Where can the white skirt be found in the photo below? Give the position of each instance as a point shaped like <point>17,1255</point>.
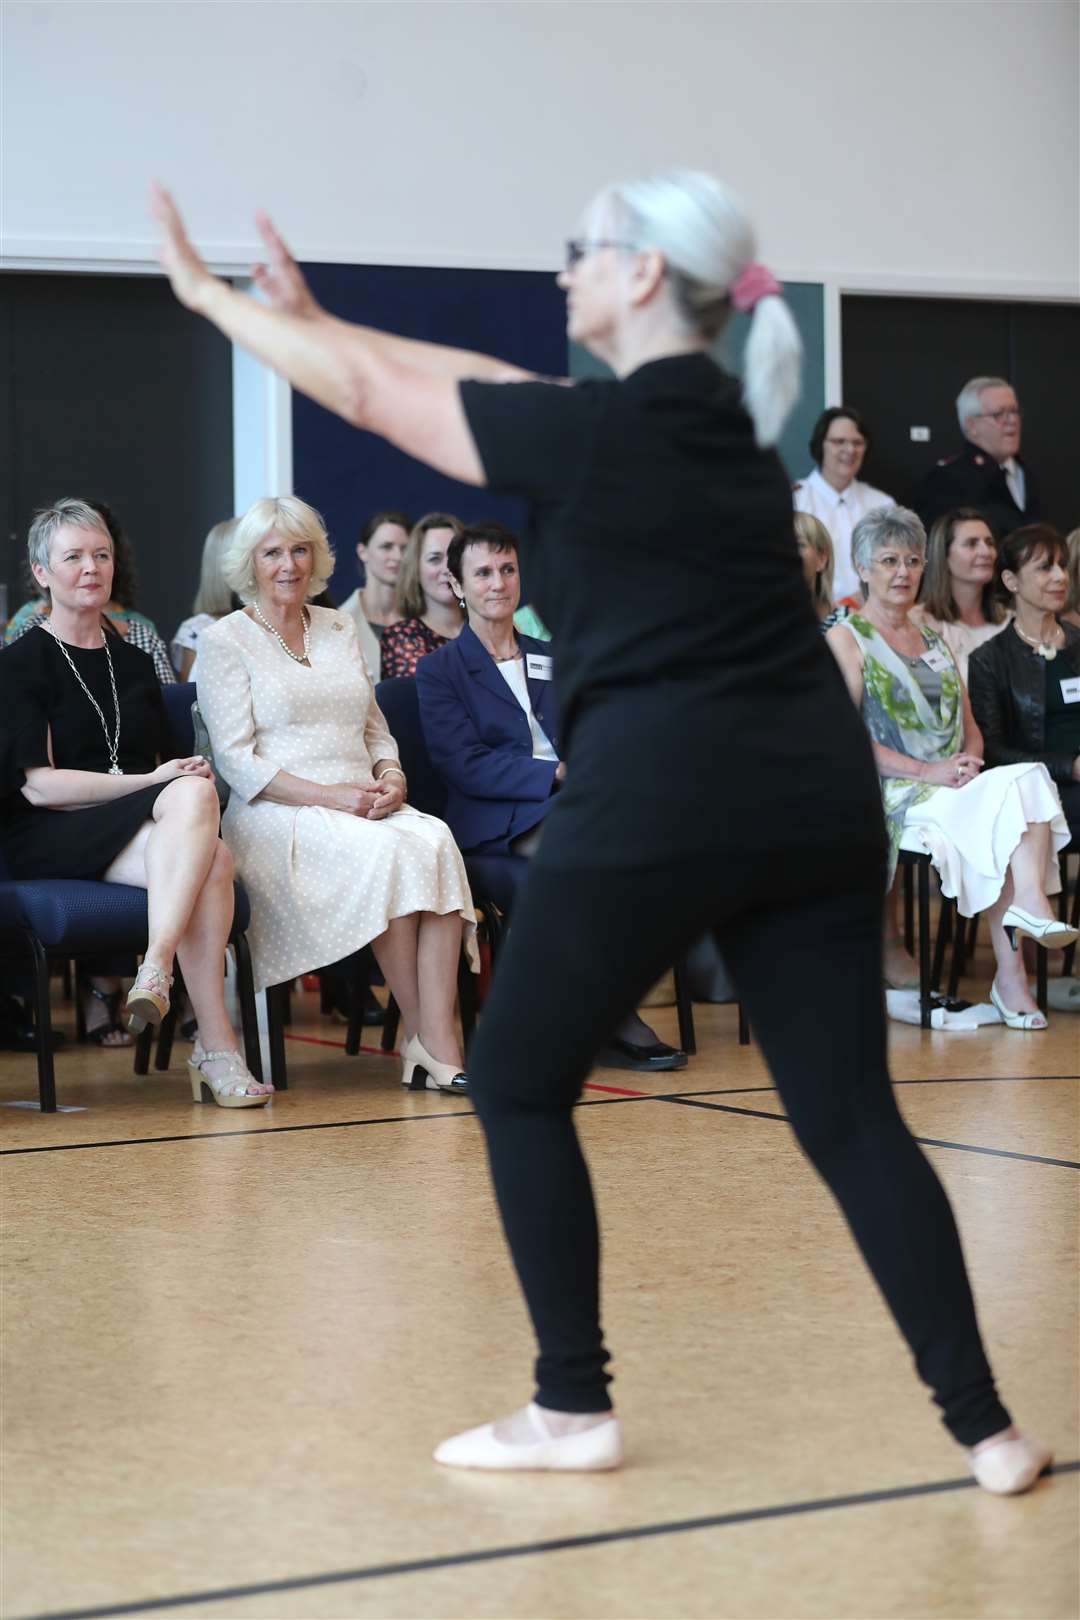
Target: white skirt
<point>970,833</point>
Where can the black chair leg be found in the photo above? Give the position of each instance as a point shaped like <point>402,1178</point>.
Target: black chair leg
<point>43,1019</point>
<point>924,944</point>
<point>144,1043</point>
<point>1068,955</point>
<point>1040,979</point>
<point>391,1025</point>
<point>685,1009</point>
<point>166,1035</point>
<point>744,1026</point>
<point>949,919</point>
<point>909,910</point>
<point>276,1000</point>
<point>245,995</point>
<point>466,979</point>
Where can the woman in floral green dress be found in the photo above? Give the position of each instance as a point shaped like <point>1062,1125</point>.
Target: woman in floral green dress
<point>992,835</point>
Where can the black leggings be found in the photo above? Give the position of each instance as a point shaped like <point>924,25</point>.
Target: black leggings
<point>584,947</point>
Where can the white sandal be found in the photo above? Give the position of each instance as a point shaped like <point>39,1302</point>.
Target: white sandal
<point>1046,931</point>
<point>1016,1020</point>
<point>229,1090</point>
<point>148,999</point>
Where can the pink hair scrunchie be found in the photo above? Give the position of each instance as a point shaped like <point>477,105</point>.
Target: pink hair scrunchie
<point>753,282</point>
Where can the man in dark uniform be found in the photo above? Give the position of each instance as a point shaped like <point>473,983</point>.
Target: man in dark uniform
<point>987,473</point>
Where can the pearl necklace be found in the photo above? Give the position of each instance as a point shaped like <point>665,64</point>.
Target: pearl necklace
<point>1045,649</point>
<point>112,743</point>
<point>305,619</point>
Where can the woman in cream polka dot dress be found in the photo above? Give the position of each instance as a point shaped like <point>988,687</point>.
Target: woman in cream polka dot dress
<point>330,853</point>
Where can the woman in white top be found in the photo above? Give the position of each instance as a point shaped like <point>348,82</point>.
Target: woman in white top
<point>957,598</point>
<point>213,601</point>
<point>372,606</point>
<point>331,855</point>
<point>833,492</point>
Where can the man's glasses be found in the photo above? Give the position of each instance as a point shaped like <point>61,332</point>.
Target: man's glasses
<point>1007,413</point>
<point>581,246</point>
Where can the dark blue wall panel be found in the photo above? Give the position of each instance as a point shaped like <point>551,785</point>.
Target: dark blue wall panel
<point>518,315</point>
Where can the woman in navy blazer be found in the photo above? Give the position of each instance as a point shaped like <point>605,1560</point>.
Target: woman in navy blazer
<point>500,761</point>
<point>487,708</point>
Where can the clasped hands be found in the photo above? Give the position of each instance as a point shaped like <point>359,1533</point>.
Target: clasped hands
<point>372,800</point>
<point>954,772</point>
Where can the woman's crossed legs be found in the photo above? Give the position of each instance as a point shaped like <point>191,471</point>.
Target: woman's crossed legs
<point>187,872</point>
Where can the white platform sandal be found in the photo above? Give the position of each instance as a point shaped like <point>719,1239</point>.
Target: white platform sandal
<point>228,1090</point>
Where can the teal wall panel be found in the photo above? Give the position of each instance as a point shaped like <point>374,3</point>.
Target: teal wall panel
<point>806,300</point>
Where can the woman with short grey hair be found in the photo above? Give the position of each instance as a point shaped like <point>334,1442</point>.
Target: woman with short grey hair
<point>89,790</point>
<point>992,835</point>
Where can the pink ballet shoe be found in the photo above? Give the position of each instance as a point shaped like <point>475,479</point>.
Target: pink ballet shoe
<point>1009,1466</point>
<point>587,1451</point>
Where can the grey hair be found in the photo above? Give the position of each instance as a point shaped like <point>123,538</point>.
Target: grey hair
<point>294,520</point>
<point>68,513</point>
<point>885,524</point>
<point>969,399</point>
<point>707,240</point>
<point>214,595</point>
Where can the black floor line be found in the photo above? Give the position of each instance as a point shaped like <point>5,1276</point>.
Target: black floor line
<point>524,1549</point>
<point>926,1141</point>
<point>284,1130</point>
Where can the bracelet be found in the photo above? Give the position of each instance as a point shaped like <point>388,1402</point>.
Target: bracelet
<point>391,770</point>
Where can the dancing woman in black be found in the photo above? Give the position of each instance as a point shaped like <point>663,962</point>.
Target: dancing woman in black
<point>718,775</point>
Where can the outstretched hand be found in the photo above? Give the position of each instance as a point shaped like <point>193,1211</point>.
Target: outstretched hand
<point>191,280</point>
<point>279,279</point>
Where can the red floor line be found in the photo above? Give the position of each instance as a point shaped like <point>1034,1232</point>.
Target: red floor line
<point>320,1040</point>
<point>620,1091</point>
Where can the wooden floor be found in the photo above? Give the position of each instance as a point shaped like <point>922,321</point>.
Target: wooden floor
<point>233,1338</point>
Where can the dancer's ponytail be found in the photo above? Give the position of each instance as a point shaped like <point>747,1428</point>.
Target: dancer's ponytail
<point>707,241</point>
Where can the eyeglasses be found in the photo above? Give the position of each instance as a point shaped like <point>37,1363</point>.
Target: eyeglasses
<point>577,249</point>
<point>847,444</point>
<point>1008,413</point>
<point>889,562</point>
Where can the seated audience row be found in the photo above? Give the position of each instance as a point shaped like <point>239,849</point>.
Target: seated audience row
<point>993,835</point>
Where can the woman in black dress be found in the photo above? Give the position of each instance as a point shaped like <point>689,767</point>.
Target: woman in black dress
<point>762,819</point>
<point>82,728</point>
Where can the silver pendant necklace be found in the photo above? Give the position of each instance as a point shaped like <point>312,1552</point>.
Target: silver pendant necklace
<point>305,619</point>
<point>113,742</point>
<point>1045,649</point>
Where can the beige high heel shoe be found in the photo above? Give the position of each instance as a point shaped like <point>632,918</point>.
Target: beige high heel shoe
<point>420,1071</point>
<point>148,999</point>
<point>229,1090</point>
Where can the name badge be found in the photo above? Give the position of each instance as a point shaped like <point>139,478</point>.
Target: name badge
<point>537,667</point>
<point>936,660</point>
<point>1070,690</point>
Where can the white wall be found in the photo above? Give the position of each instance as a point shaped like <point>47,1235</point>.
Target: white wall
<point>893,143</point>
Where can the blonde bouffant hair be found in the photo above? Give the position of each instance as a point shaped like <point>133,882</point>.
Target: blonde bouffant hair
<point>292,519</point>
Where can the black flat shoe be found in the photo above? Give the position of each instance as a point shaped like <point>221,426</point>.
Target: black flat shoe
<point>650,1059</point>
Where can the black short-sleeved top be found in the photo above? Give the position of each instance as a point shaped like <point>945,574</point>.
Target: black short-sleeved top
<point>702,710</point>
<point>40,696</point>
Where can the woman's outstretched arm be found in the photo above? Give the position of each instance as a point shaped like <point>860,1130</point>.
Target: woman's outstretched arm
<point>403,390</point>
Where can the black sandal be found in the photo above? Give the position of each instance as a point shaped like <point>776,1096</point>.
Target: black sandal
<point>110,1000</point>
